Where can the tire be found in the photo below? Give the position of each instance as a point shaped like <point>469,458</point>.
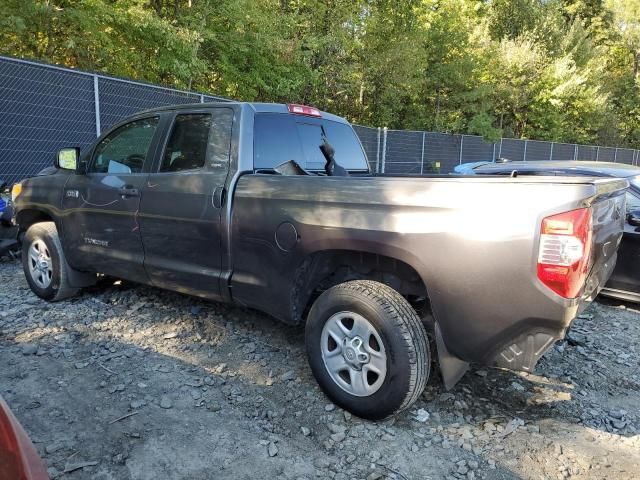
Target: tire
<point>373,386</point>
<point>42,244</point>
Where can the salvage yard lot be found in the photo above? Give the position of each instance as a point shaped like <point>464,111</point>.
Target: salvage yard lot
<point>131,382</point>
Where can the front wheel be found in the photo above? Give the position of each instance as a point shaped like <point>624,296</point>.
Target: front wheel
<point>367,348</point>
<point>44,263</point>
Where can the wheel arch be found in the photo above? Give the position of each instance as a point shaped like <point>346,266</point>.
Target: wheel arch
<point>326,267</point>
<point>409,276</point>
<point>27,217</point>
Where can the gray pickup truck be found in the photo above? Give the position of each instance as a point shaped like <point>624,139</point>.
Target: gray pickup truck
<point>274,207</point>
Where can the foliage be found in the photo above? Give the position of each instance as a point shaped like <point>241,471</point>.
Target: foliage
<point>565,70</point>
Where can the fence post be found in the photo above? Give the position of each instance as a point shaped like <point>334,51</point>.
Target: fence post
<point>424,134</point>
<point>524,156</point>
<point>494,152</point>
<point>615,155</point>
<point>551,152</point>
<point>598,153</point>
<point>384,147</point>
<point>96,103</point>
<point>575,151</point>
<point>500,151</point>
<point>378,153</point>
<point>461,145</point>
<point>201,98</point>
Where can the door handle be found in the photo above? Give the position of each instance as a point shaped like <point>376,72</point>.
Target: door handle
<point>218,197</point>
<point>129,192</point>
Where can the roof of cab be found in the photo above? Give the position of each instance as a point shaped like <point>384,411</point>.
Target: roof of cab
<point>255,106</point>
<point>600,169</point>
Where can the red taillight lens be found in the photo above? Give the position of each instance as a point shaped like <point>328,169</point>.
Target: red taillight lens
<point>18,457</point>
<point>565,252</point>
<point>303,110</point>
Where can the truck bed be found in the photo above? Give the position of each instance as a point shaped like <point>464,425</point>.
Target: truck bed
<point>472,240</point>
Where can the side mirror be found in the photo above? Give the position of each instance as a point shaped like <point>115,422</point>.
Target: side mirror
<point>633,218</point>
<point>67,158</point>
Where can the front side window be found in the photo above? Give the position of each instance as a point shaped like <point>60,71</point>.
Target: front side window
<point>125,149</point>
<point>197,139</point>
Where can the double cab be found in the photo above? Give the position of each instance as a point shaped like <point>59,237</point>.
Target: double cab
<point>274,207</point>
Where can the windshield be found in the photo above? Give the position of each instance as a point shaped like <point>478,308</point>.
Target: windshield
<point>283,137</point>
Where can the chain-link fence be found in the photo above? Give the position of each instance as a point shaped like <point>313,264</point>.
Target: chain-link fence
<point>416,153</point>
<point>45,107</point>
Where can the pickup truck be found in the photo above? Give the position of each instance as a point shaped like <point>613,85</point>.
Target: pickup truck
<point>274,207</point>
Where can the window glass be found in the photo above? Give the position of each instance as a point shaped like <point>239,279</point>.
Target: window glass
<point>275,141</point>
<point>125,149</point>
<point>187,146</point>
<point>633,202</point>
<point>311,139</point>
<point>282,137</point>
<point>193,141</point>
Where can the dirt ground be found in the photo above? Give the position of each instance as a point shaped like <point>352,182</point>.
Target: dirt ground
<point>131,382</point>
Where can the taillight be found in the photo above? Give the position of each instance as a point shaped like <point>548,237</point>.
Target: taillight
<point>565,252</point>
<point>303,110</point>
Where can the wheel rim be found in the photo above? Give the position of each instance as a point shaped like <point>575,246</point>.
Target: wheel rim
<point>40,264</point>
<point>353,354</point>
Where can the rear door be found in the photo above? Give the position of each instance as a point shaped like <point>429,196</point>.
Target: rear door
<point>100,219</point>
<point>180,211</point>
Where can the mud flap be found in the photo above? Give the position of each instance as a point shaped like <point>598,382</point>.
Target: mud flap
<point>80,279</point>
<point>451,367</point>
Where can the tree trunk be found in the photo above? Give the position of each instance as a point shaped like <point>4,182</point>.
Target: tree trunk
<point>157,6</point>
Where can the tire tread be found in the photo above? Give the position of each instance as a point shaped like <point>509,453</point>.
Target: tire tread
<point>405,318</point>
<point>64,289</point>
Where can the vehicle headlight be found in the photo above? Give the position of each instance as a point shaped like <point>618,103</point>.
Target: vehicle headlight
<point>15,191</point>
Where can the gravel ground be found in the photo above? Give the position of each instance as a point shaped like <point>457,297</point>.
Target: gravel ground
<point>131,382</point>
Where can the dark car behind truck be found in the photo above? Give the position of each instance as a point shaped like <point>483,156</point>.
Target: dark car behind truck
<point>273,207</point>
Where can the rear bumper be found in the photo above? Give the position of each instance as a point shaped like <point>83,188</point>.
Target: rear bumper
<point>523,351</point>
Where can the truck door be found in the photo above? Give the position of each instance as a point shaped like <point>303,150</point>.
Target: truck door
<point>180,211</point>
<point>100,223</point>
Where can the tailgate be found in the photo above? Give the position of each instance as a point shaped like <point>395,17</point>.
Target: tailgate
<point>608,211</point>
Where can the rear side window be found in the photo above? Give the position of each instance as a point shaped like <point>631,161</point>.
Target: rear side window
<point>282,137</point>
<point>125,149</point>
<point>187,146</point>
<point>197,139</point>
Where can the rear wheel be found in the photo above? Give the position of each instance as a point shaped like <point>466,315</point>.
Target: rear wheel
<point>44,263</point>
<point>367,348</point>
